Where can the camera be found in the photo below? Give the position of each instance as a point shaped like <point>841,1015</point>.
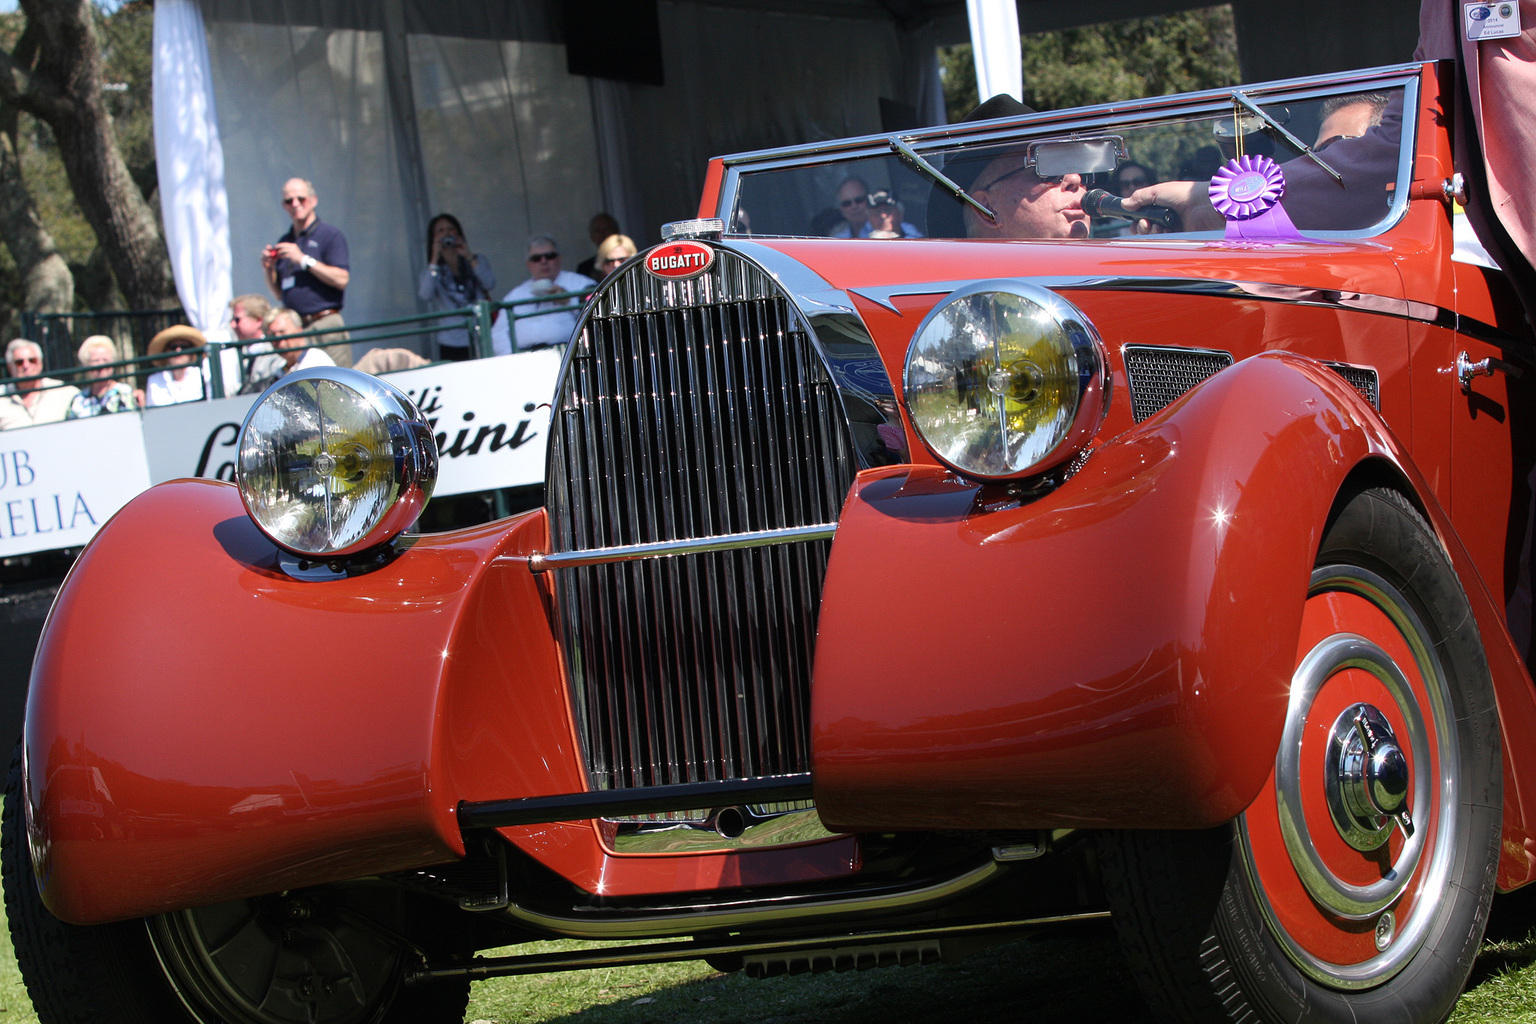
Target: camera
<point>449,241</point>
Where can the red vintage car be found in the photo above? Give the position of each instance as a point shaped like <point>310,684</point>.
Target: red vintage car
<point>893,595</point>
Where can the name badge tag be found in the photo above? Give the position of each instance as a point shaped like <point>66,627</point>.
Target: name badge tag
<point>285,284</point>
<point>1491,21</point>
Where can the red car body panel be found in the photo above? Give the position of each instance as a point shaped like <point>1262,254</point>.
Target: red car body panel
<point>1022,665</point>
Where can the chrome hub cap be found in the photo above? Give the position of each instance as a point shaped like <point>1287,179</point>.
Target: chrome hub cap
<point>1367,777</point>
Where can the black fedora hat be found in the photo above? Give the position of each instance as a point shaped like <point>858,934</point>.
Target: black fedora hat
<point>944,212</point>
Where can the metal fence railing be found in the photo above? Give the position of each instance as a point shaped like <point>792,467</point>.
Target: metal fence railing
<point>227,366</point>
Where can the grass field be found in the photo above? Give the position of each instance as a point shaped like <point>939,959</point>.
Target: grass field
<point>1074,976</point>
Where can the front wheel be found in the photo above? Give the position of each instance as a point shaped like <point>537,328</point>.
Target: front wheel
<point>1357,885</point>
<point>295,958</point>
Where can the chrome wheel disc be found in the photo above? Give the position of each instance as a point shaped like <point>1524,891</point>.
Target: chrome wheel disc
<point>276,960</point>
<point>1349,849</point>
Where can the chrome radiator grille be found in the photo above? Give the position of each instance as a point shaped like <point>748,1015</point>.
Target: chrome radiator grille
<point>693,409</point>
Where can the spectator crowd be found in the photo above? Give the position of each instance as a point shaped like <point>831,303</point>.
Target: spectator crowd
<point>307,270</point>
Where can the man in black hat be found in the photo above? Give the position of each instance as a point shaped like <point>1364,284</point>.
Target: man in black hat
<point>1025,204</point>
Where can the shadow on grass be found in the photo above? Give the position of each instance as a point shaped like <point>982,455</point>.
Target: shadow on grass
<point>1074,976</point>
<point>1509,944</point>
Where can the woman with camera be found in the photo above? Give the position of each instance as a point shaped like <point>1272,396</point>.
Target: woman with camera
<point>453,278</point>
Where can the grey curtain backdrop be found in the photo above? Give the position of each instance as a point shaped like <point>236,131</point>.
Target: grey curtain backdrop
<point>399,109</point>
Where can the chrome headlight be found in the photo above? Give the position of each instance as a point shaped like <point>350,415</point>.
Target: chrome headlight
<point>1005,379</point>
<point>333,462</point>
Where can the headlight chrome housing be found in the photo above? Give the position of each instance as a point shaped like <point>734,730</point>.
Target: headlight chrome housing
<point>334,462</point>
<point>1005,380</point>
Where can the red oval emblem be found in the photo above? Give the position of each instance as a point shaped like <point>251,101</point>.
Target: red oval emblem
<point>675,261</point>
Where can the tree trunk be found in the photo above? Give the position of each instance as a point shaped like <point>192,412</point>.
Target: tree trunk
<point>64,90</point>
<point>47,285</point>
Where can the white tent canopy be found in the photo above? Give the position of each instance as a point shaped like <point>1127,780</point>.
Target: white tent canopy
<point>399,109</point>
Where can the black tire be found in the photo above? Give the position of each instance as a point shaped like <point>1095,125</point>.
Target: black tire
<point>157,971</point>
<point>1290,915</point>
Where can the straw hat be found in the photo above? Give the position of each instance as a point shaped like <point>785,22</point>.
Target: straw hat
<point>181,332</point>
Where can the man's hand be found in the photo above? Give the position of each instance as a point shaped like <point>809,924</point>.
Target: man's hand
<point>289,251</point>
<point>1190,199</point>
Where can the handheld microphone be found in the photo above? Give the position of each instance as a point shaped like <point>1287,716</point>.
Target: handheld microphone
<point>1099,203</point>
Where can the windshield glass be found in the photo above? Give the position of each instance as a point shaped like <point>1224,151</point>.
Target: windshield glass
<point>1035,183</point>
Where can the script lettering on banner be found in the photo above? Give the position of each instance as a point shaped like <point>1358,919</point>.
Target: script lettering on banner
<point>60,481</point>
<point>489,417</point>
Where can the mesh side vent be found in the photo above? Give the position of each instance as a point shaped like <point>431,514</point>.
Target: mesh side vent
<point>1158,376</point>
<point>1363,379</point>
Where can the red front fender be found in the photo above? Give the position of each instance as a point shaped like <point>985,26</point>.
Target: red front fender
<point>1115,654</point>
<point>230,731</point>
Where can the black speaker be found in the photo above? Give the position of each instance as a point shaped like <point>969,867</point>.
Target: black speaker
<point>617,39</point>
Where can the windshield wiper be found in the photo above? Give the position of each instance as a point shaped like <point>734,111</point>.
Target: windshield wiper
<point>1239,97</point>
<point>911,159</point>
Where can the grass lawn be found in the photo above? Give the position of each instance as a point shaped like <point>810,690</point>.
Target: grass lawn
<point>1070,977</point>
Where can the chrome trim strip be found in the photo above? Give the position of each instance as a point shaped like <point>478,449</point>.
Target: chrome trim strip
<point>538,562</point>
<point>1262,291</point>
<point>760,832</point>
<point>758,911</point>
<point>673,952</point>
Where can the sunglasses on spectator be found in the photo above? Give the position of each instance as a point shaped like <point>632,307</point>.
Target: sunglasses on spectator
<point>540,257</point>
<point>860,201</point>
<point>24,360</point>
<point>179,346</point>
<point>1136,182</point>
<point>296,200</point>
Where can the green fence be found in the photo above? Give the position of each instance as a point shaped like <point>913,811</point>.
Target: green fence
<point>60,335</point>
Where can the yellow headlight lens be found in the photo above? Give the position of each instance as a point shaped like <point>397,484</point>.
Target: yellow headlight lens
<point>1004,379</point>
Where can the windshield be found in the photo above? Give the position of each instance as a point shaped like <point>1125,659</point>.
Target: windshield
<point>1035,183</point>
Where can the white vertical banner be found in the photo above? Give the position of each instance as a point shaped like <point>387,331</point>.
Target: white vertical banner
<point>996,48</point>
<point>193,200</point>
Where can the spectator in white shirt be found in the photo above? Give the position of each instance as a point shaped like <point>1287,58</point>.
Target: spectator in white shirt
<point>181,380</point>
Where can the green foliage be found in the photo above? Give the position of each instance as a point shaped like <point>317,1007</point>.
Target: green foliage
<point>125,33</point>
<point>1168,53</point>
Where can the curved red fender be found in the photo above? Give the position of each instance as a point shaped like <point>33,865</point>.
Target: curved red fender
<point>1116,653</point>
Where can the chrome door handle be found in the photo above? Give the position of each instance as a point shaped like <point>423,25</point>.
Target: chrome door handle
<point>1466,369</point>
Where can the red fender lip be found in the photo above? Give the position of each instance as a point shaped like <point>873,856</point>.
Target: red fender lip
<point>1115,654</point>
<point>191,705</point>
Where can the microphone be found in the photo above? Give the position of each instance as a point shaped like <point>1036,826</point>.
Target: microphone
<point>1099,203</point>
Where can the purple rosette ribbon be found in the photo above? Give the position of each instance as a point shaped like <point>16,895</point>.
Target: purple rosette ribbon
<point>1246,191</point>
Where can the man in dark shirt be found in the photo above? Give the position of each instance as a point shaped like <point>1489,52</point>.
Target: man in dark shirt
<point>308,268</point>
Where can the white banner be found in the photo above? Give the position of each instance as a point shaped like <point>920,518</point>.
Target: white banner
<point>59,482</point>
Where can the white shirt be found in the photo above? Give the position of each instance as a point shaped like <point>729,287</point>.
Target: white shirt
<point>164,389</point>
<point>544,328</point>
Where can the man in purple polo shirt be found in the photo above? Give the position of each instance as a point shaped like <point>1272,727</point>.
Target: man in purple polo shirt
<point>308,268</point>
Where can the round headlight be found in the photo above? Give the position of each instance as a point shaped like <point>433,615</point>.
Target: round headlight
<point>1005,379</point>
<point>333,462</point>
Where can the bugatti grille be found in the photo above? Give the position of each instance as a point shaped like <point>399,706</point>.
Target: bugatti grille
<point>693,409</point>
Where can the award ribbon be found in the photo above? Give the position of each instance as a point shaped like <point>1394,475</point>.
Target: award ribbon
<point>1246,191</point>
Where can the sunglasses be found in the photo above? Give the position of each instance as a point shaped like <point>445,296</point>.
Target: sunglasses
<point>23,360</point>
<point>296,201</point>
<point>179,347</point>
<point>540,257</point>
<point>1014,174</point>
<point>1137,182</point>
<point>1330,140</point>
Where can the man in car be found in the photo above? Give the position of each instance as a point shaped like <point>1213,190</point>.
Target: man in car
<point>1025,204</point>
